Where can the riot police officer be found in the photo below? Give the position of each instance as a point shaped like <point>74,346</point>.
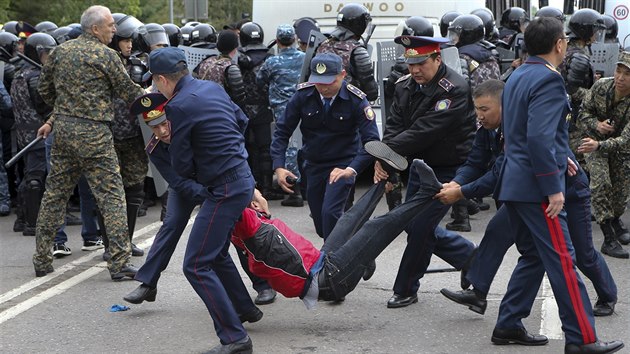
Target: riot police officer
<point>612,30</point>
<point>489,24</point>
<point>352,21</point>
<point>513,21</point>
<point>303,27</point>
<point>46,27</point>
<point>8,48</point>
<point>203,36</point>
<point>174,33</point>
<point>446,20</point>
<point>550,11</point>
<point>149,37</point>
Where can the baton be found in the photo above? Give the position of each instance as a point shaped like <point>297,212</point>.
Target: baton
<point>440,270</point>
<point>23,151</point>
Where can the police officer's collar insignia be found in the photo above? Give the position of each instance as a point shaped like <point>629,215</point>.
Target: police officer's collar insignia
<point>403,78</point>
<point>304,85</point>
<point>552,68</point>
<point>145,102</point>
<point>153,142</point>
<point>320,68</point>
<point>568,117</point>
<point>442,105</point>
<point>356,91</point>
<point>446,85</point>
<point>405,41</point>
<point>369,113</point>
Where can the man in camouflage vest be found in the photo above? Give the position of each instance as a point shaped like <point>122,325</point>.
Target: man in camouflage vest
<point>79,80</point>
<point>605,121</point>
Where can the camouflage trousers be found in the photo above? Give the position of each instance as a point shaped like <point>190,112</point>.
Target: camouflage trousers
<point>610,183</point>
<point>134,162</point>
<point>83,147</point>
<point>4,182</point>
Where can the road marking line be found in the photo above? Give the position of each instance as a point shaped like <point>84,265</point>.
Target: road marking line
<point>550,324</point>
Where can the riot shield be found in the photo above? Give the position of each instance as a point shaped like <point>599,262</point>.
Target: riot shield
<point>450,57</point>
<point>315,38</point>
<point>386,54</point>
<point>604,56</point>
<point>194,56</point>
<point>506,58</point>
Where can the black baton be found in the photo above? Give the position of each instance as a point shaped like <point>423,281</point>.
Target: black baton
<point>22,152</point>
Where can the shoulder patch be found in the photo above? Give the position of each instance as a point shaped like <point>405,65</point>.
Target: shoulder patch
<point>356,91</point>
<point>152,144</point>
<point>446,85</point>
<point>403,78</point>
<point>304,85</point>
<point>442,105</point>
<point>369,113</point>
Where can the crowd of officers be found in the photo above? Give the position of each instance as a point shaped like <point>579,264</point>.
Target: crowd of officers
<point>430,115</point>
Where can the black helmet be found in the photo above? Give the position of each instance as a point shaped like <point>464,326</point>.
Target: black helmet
<point>37,44</point>
<point>75,30</point>
<point>203,34</point>
<point>513,18</point>
<point>251,33</point>
<point>354,18</point>
<point>174,34</point>
<point>550,11</point>
<point>148,35</point>
<point>415,26</point>
<point>11,27</point>
<point>126,25</point>
<point>8,43</point>
<point>466,29</point>
<point>612,28</point>
<point>192,23</point>
<point>61,34</point>
<point>446,20</point>
<point>487,17</point>
<point>46,27</point>
<point>584,23</point>
<point>186,30</point>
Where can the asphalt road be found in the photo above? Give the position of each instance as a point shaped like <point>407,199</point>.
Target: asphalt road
<point>68,311</point>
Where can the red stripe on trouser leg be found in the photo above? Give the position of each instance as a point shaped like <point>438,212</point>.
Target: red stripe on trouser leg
<point>570,276</point>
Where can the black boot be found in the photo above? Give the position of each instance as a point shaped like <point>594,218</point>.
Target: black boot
<point>32,198</point>
<point>134,196</point>
<point>611,246</point>
<point>295,199</point>
<point>267,188</point>
<point>164,204</point>
<point>622,233</point>
<point>460,222</point>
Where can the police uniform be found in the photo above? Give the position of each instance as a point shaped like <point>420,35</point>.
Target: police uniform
<point>5,112</point>
<point>530,173</point>
<point>332,138</point>
<point>208,146</point>
<point>434,122</point>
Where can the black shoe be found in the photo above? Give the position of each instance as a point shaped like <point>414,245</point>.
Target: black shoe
<point>483,206</point>
<point>594,348</point>
<point>381,151</point>
<point>142,211</point>
<point>459,225</point>
<point>142,293</point>
<point>271,194</point>
<point>128,270</point>
<point>252,316</point>
<point>463,282</point>
<point>622,233</point>
<point>397,301</point>
<point>612,248</point>
<point>72,220</point>
<point>603,308</point>
<point>45,271</point>
<point>136,251</point>
<point>265,297</point>
<point>468,298</point>
<point>472,207</point>
<point>28,230</point>
<point>18,225</point>
<point>293,201</point>
<point>369,270</point>
<point>517,336</point>
<point>107,256</point>
<point>233,348</point>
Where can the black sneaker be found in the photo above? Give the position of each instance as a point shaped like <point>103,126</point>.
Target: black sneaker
<point>383,152</point>
<point>92,245</point>
<point>61,250</point>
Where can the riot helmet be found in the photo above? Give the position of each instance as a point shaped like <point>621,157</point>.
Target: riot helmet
<point>251,33</point>
<point>550,11</point>
<point>186,30</point>
<point>513,18</point>
<point>75,30</point>
<point>586,23</point>
<point>150,35</point>
<point>61,34</point>
<point>612,27</point>
<point>415,26</point>
<point>487,17</point>
<point>38,44</point>
<point>354,18</point>
<point>126,25</point>
<point>46,27</point>
<point>11,27</point>
<point>466,29</point>
<point>303,27</point>
<point>192,23</point>
<point>174,34</point>
<point>446,20</point>
<point>203,34</point>
<point>8,44</point>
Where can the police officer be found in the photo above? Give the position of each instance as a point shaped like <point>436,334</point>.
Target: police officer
<point>174,33</point>
<point>487,17</point>
<point>281,73</point>
<point>513,21</point>
<point>46,27</point>
<point>334,117</point>
<point>605,122</point>
<point>252,55</point>
<point>612,30</point>
<point>184,195</point>
<point>445,22</point>
<point>432,118</point>
<point>149,37</point>
<point>8,48</point>
<point>203,36</point>
<point>222,69</point>
<point>352,21</point>
<point>6,113</point>
<point>303,27</point>
<point>207,145</point>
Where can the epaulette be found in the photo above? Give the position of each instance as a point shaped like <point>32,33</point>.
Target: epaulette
<point>403,78</point>
<point>304,85</point>
<point>152,144</point>
<point>446,85</point>
<point>357,92</point>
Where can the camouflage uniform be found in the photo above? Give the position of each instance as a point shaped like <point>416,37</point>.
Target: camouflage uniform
<point>215,69</point>
<point>80,79</point>
<point>481,64</point>
<point>575,135</point>
<point>344,50</point>
<point>609,165</point>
